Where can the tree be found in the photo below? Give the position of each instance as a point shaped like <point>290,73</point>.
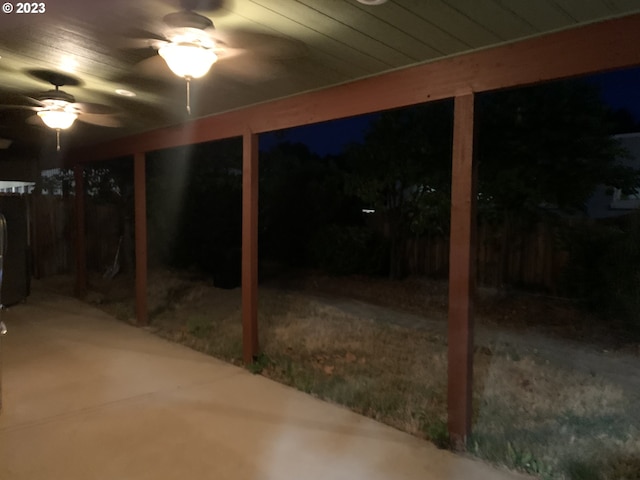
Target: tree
<point>300,194</point>
<point>194,199</point>
<point>402,170</point>
<point>543,150</point>
<point>547,145</point>
<point>623,121</point>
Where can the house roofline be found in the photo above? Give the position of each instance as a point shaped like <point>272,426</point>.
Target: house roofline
<point>627,135</point>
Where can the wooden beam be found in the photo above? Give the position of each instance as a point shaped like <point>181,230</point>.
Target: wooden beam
<point>250,345</point>
<point>462,273</point>
<point>140,195</point>
<point>607,45</point>
<point>81,241</point>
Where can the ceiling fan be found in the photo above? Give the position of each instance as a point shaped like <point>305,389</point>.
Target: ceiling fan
<point>188,44</point>
<point>59,110</point>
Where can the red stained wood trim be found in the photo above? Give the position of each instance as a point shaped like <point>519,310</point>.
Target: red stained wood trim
<point>607,45</point>
<point>142,314</point>
<point>250,345</point>
<point>81,240</point>
<point>462,276</point>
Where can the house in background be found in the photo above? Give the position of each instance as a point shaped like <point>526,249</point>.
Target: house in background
<point>16,187</point>
<point>608,202</point>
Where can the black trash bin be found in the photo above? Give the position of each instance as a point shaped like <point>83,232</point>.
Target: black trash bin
<point>3,331</point>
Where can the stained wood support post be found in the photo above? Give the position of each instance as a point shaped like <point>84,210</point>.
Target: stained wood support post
<point>462,272</point>
<point>81,240</point>
<point>140,194</point>
<point>250,345</point>
<point>36,257</point>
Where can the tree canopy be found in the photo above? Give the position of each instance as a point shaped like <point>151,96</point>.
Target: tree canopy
<point>541,148</point>
<point>547,145</point>
<point>402,171</point>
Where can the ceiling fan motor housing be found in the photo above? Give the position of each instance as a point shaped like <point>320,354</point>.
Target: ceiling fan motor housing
<point>187,19</point>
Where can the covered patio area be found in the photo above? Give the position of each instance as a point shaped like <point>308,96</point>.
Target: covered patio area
<point>332,60</point>
<point>88,397</point>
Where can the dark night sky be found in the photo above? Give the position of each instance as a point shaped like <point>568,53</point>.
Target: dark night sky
<point>619,89</point>
<point>327,138</point>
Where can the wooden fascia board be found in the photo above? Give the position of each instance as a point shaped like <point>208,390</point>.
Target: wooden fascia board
<point>607,45</point>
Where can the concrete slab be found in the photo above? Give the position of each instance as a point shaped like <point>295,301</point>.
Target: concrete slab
<point>88,397</point>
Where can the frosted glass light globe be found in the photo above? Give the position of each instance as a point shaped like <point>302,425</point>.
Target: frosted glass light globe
<point>188,60</point>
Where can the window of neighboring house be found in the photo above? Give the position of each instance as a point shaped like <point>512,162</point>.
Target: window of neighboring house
<point>623,201</point>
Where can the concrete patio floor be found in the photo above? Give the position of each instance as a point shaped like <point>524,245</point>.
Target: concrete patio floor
<point>88,397</point>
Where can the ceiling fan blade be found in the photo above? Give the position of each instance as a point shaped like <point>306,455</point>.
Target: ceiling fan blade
<point>34,120</point>
<point>134,44</point>
<point>205,5</point>
<point>135,38</point>
<point>249,68</point>
<point>34,101</point>
<point>18,100</point>
<point>19,107</point>
<point>140,44</point>
<point>262,44</point>
<point>95,108</point>
<point>101,120</point>
<point>155,67</point>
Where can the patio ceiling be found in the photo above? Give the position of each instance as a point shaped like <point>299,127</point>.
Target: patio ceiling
<point>285,47</point>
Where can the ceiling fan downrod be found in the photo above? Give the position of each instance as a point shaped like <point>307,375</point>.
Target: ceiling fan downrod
<point>188,79</point>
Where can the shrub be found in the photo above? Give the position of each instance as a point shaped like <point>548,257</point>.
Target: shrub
<point>344,250</point>
<point>602,269</point>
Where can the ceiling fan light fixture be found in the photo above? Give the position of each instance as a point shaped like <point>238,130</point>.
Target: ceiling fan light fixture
<point>188,60</point>
<point>58,119</point>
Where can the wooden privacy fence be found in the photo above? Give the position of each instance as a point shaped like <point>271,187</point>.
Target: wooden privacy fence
<point>505,256</point>
<point>104,229</point>
<point>53,234</point>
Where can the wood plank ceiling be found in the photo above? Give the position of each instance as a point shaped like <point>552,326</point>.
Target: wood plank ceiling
<point>282,47</point>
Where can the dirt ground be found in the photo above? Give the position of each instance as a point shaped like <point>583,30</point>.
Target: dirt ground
<point>556,393</point>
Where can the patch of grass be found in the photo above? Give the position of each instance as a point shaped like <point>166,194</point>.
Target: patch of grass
<point>607,465</point>
<point>534,417</point>
<point>392,374</point>
<point>519,456</point>
<point>582,470</point>
<point>261,362</point>
<point>622,467</point>
<point>199,326</point>
<point>437,431</point>
<point>582,426</point>
<point>123,311</point>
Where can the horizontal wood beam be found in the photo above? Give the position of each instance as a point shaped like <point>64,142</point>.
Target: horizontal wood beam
<point>607,45</point>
